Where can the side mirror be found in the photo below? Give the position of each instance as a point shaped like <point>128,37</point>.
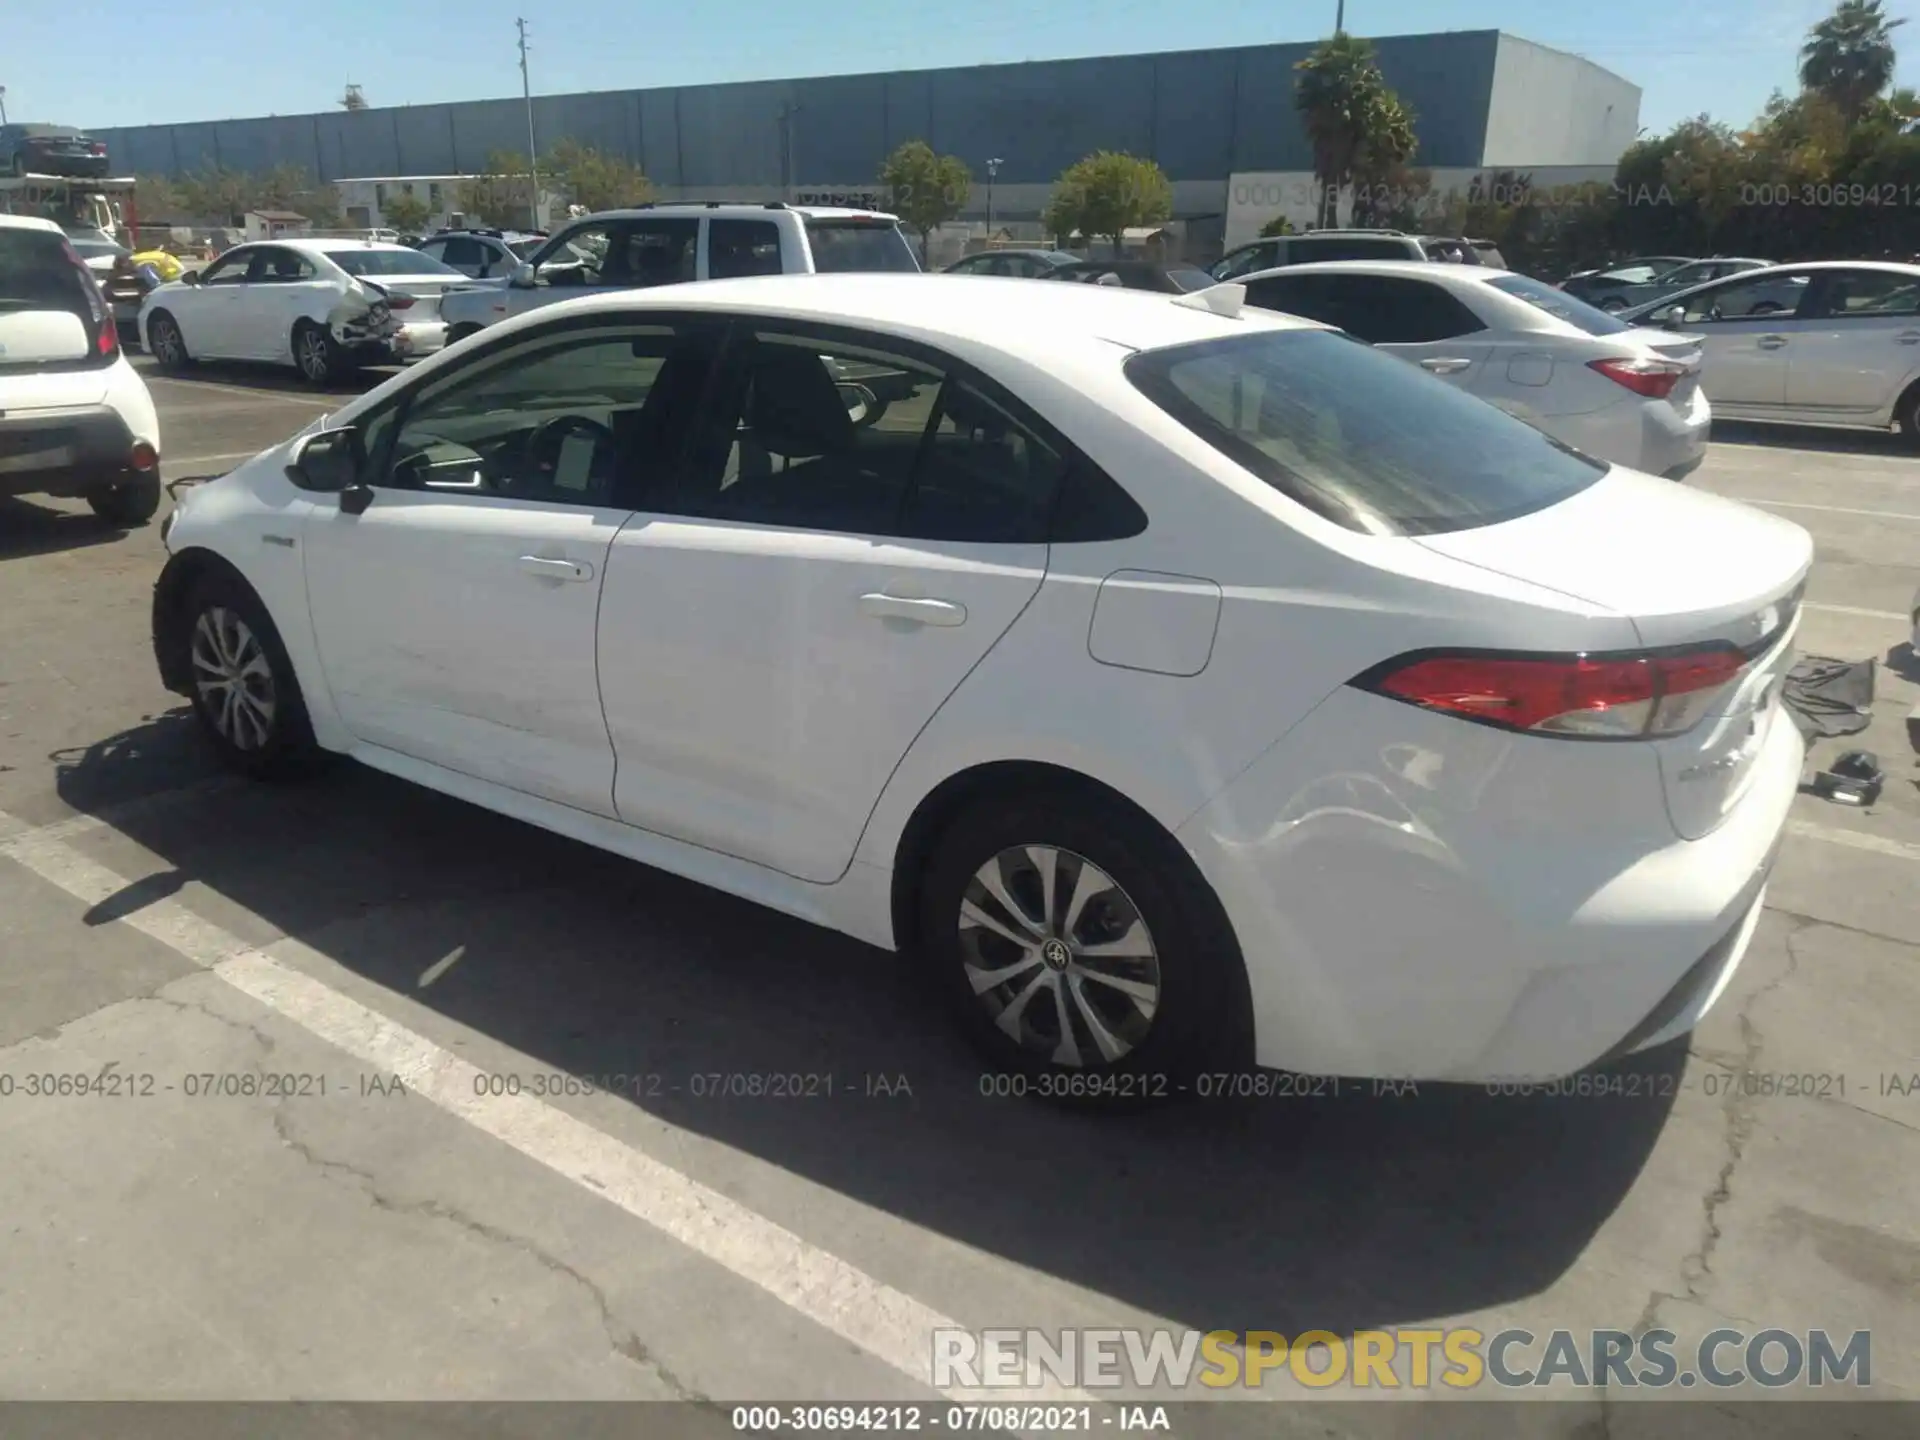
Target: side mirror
<point>327,462</point>
<point>1671,317</point>
<point>524,277</point>
<point>192,277</point>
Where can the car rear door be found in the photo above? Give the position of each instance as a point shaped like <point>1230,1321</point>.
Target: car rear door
<point>1416,320</point>
<point>1855,344</point>
<point>863,519</point>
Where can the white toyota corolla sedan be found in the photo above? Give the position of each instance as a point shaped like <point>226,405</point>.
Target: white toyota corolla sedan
<point>1182,686</point>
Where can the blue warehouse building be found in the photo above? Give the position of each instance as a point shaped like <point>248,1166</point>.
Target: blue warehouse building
<point>1482,99</point>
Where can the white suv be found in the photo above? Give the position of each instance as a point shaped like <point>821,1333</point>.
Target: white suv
<point>75,419</point>
<point>667,244</point>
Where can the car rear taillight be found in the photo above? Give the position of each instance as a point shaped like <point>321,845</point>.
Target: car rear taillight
<point>399,302</point>
<point>1592,697</point>
<point>1654,379</point>
<point>106,340</point>
<point>143,457</point>
<point>98,149</point>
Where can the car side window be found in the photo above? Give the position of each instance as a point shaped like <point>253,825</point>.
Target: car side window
<point>742,247</point>
<point>230,269</point>
<point>1245,262</point>
<point>1305,295</point>
<point>830,432</point>
<point>1385,310</point>
<point>275,265</point>
<point>1748,299</point>
<point>463,252</point>
<point>1866,294</point>
<point>580,417</point>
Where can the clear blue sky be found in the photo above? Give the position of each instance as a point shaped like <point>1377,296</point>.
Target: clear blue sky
<point>193,60</point>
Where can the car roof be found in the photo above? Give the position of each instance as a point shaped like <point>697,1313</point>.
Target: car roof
<point>748,207</point>
<point>325,246</point>
<point>28,222</point>
<point>1016,317</point>
<point>1428,270</point>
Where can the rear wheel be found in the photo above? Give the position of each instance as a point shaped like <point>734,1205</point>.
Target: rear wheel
<point>244,691</point>
<point>168,345</point>
<point>461,332</point>
<point>129,504</point>
<point>1906,417</point>
<point>1613,304</point>
<point>317,355</point>
<point>1076,946</point>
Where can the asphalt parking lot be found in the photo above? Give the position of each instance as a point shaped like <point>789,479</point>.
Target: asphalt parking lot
<point>353,1236</point>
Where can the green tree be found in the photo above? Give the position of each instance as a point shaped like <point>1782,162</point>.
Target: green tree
<point>1361,131</point>
<point>406,212</point>
<point>595,179</point>
<point>925,189</point>
<point>1106,194</point>
<point>501,195</point>
<point>217,194</point>
<point>1279,225</point>
<point>1849,56</point>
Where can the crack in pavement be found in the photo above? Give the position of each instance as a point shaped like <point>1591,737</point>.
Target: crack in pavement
<point>621,1337</point>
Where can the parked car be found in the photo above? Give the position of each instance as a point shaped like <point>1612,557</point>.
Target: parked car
<point>1833,342</point>
<point>1323,245</point>
<point>75,417</point>
<point>1590,285</point>
<point>1626,395</point>
<point>1618,290</point>
<point>1174,279</point>
<point>1025,264</point>
<point>481,254</point>
<point>1179,685</point>
<point>51,150</point>
<point>322,306</point>
<point>668,244</point>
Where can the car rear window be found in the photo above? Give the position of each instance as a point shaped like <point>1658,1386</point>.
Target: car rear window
<point>1560,305</point>
<point>1357,435</point>
<point>842,246</point>
<point>389,262</point>
<point>35,274</point>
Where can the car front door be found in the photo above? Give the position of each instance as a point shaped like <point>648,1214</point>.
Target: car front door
<point>602,255</point>
<point>455,617</point>
<point>862,521</point>
<point>209,314</point>
<point>1855,345</point>
<point>1747,327</point>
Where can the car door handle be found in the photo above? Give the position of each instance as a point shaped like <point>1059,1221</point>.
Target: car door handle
<point>882,606</point>
<point>1445,367</point>
<point>1772,342</point>
<point>548,568</point>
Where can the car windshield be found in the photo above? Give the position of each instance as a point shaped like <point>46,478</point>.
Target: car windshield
<point>388,262</point>
<point>523,249</point>
<point>1358,435</point>
<point>840,246</point>
<point>1631,274</point>
<point>1560,305</point>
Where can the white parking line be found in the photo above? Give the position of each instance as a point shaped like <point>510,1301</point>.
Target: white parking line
<point>333,402</point>
<point>1830,509</point>
<point>1856,610</point>
<point>886,1323</point>
<point>1855,839</point>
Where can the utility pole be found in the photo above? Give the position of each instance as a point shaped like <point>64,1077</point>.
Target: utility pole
<point>533,153</point>
<point>3,104</point>
<point>993,169</point>
<point>789,170</point>
<point>1340,17</point>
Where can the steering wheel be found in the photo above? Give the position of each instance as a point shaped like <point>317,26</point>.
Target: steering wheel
<point>548,440</point>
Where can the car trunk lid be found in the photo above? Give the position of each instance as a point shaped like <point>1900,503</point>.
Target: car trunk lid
<point>424,291</point>
<point>1688,569</point>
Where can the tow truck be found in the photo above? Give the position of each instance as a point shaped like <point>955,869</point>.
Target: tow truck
<point>86,208</point>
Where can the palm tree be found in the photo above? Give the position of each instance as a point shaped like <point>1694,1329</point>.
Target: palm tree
<point>1849,56</point>
<point>1356,124</point>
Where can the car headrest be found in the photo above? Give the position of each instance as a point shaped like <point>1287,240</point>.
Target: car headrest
<point>797,411</point>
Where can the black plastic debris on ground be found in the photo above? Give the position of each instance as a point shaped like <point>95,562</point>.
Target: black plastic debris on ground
<point>1828,697</point>
<point>1854,779</point>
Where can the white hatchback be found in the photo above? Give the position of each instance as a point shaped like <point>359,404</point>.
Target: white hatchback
<point>1632,396</point>
<point>1184,686</point>
<point>322,306</point>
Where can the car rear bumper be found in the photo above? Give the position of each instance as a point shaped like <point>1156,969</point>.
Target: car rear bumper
<point>1421,898</point>
<point>73,451</point>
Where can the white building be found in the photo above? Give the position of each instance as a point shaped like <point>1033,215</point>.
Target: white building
<point>364,202</point>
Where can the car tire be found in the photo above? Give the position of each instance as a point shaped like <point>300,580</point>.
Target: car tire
<point>1906,416</point>
<point>1613,304</point>
<point>317,355</point>
<point>165,342</point>
<point>1186,1004</point>
<point>461,332</point>
<point>128,505</point>
<point>262,731</point>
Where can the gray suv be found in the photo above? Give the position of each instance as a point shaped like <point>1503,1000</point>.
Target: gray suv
<point>1315,245</point>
